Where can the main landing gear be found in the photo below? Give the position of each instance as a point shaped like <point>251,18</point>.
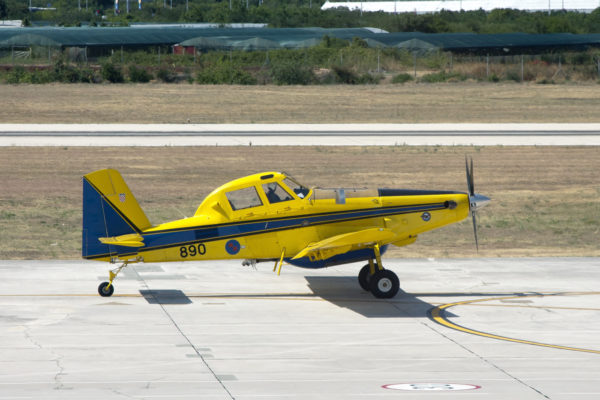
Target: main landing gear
<point>382,283</point>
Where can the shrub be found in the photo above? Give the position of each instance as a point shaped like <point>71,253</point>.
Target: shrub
<point>166,76</point>
<point>347,76</point>
<point>493,77</point>
<point>112,73</point>
<point>41,76</point>
<point>224,72</point>
<point>288,73</point>
<point>139,74</point>
<point>442,76</point>
<point>344,75</point>
<point>402,78</point>
<point>17,75</point>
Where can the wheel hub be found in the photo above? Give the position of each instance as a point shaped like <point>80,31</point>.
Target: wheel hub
<point>384,284</point>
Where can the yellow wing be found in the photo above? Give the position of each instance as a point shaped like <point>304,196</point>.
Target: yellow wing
<point>346,242</point>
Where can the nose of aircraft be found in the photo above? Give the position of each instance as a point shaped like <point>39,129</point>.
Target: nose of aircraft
<point>478,201</point>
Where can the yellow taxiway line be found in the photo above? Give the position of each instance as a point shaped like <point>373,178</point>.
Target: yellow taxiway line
<point>437,315</point>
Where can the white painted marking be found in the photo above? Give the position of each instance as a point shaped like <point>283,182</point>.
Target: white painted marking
<point>431,386</point>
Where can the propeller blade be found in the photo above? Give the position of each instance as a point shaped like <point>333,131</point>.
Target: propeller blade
<point>469,172</point>
<point>472,184</point>
<point>475,229</point>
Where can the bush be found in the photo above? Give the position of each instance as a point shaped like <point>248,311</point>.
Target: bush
<point>17,75</point>
<point>41,76</point>
<point>288,73</point>
<point>402,78</point>
<point>493,77</point>
<point>139,74</point>
<point>442,76</point>
<point>224,73</point>
<point>165,75</point>
<point>112,73</point>
<point>344,75</point>
<point>347,76</point>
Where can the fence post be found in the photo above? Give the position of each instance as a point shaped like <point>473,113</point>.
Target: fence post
<point>415,62</point>
<point>487,66</point>
<point>522,69</point>
<point>158,55</point>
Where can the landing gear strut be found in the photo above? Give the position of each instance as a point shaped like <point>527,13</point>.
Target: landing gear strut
<point>382,283</point>
<point>106,289</point>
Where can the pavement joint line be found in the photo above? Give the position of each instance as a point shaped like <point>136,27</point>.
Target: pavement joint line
<point>420,321</point>
<point>202,357</point>
<point>484,359</point>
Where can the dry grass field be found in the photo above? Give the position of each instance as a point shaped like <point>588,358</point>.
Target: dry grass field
<point>409,103</point>
<point>545,199</point>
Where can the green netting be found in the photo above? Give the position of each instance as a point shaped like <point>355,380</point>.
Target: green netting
<point>271,38</point>
<point>417,45</point>
<point>29,39</point>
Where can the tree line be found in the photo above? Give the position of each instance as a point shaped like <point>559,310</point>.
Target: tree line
<point>297,13</point>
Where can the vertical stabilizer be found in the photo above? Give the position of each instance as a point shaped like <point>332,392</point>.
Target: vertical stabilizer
<point>109,209</point>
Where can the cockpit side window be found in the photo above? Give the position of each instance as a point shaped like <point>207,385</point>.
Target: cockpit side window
<point>301,191</point>
<point>275,193</point>
<point>244,198</point>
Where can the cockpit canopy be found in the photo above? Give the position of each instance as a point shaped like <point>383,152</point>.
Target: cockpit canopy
<point>254,191</point>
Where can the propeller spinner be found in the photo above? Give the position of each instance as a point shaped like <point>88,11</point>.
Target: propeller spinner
<point>476,201</point>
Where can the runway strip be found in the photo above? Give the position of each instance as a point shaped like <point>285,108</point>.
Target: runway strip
<point>298,134</point>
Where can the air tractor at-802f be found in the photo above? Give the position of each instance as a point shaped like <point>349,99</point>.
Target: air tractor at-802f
<point>270,216</point>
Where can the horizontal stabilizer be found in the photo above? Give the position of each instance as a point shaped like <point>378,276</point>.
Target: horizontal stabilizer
<point>131,240</point>
<point>343,243</point>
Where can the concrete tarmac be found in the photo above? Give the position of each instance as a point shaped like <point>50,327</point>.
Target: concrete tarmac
<point>459,329</point>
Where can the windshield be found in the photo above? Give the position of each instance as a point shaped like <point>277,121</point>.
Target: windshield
<point>300,190</point>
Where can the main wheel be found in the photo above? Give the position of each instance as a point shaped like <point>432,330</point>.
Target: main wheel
<point>384,284</point>
<point>104,290</point>
<point>364,275</point>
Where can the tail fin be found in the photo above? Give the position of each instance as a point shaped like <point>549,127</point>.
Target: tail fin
<point>109,209</point>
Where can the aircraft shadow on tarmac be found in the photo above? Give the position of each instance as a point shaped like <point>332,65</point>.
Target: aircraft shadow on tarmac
<point>344,292</point>
<point>168,296</point>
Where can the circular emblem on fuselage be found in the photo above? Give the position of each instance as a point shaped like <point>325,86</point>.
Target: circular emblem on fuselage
<point>426,216</point>
<point>232,247</point>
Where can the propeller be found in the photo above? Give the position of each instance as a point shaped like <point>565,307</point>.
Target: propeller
<point>476,201</point>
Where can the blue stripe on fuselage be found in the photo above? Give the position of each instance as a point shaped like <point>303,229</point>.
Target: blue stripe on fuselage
<point>157,240</point>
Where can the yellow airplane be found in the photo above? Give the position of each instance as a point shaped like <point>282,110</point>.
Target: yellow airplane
<point>270,217</point>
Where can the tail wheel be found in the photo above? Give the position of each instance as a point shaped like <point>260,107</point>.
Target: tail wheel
<point>105,290</point>
<point>364,276</point>
<point>384,284</point>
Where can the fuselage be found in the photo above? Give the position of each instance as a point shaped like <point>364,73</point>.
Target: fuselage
<point>267,216</point>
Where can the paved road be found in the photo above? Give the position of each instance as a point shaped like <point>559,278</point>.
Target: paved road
<point>298,134</point>
<point>503,328</point>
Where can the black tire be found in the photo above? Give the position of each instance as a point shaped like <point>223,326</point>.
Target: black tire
<point>104,291</point>
<point>384,284</point>
<point>364,275</point>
